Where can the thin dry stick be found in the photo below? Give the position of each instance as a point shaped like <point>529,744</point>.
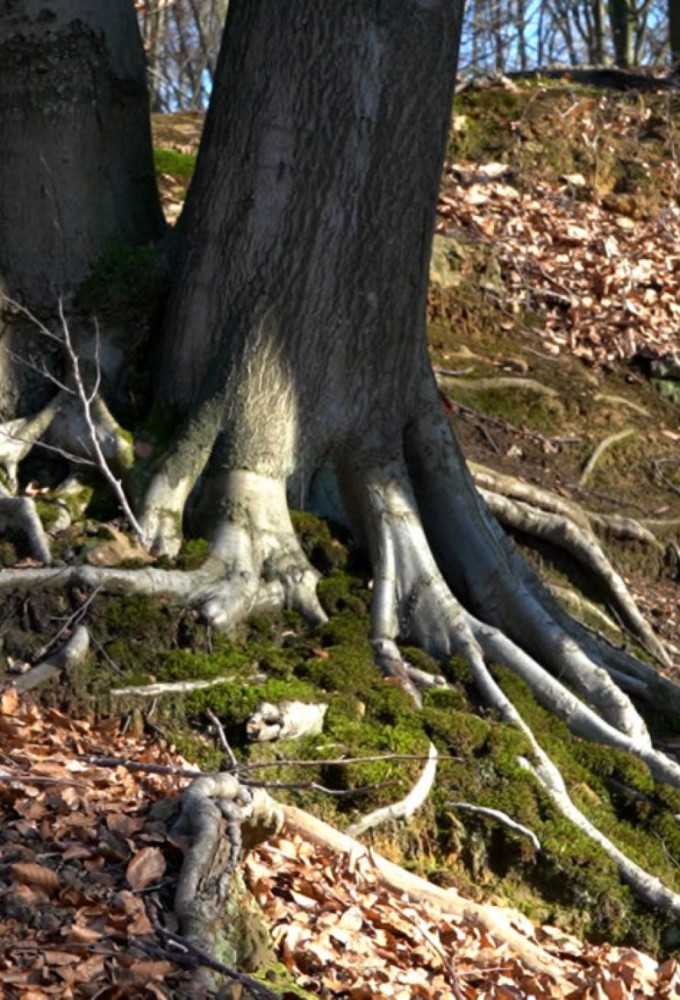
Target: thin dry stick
<point>134,765</point>
<point>222,736</point>
<point>86,400</point>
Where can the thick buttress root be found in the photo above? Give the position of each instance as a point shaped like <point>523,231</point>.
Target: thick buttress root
<point>412,601</point>
<point>255,563</point>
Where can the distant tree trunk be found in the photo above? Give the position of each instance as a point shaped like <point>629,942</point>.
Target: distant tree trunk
<point>674,30</point>
<point>598,47</point>
<point>622,22</point>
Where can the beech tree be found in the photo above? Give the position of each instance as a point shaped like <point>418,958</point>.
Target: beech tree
<point>292,367</point>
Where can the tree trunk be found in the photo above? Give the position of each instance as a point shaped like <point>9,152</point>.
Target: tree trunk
<point>76,164</point>
<point>76,179</point>
<point>296,340</point>
<point>622,21</point>
<point>305,271</point>
<point>674,31</point>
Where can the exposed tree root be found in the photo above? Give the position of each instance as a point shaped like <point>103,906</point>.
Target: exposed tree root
<point>493,919</point>
<point>73,651</point>
<point>425,549</point>
<point>563,533</point>
<point>19,514</point>
<point>288,720</point>
<point>404,807</point>
<point>646,886</point>
<point>17,437</point>
<point>220,817</point>
<point>612,439</point>
<point>582,608</point>
<point>501,817</point>
<point>625,528</point>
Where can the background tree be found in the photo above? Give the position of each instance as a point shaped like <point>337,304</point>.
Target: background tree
<point>181,42</point>
<point>504,38</point>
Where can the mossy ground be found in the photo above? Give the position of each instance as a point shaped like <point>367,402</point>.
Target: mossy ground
<point>137,641</point>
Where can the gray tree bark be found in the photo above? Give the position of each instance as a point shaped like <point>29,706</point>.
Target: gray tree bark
<point>76,179</point>
<point>76,165</point>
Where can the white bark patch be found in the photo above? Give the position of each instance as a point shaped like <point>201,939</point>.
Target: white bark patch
<point>264,406</point>
<point>289,720</point>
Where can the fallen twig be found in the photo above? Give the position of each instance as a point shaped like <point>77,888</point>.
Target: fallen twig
<point>222,736</point>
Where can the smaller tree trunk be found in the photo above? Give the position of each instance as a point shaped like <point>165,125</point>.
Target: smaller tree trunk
<point>76,171</point>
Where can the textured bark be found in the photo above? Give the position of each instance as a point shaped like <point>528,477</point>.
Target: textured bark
<point>76,172</point>
<point>306,257</point>
<point>76,179</point>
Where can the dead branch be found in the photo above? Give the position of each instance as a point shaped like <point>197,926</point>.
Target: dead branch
<point>87,401</point>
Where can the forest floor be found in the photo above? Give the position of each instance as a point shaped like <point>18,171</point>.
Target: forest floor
<point>554,318</point>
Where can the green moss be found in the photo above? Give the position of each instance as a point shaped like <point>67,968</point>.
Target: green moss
<point>324,544</point>
<point>48,513</point>
<point>171,161</point>
<point>8,553</point>
<point>278,978</point>
<point>126,279</point>
<point>457,670</point>
<point>445,699</point>
<point>193,553</point>
<point>345,629</point>
<point>346,668</point>
<point>343,592</point>
<point>77,500</point>
<point>420,659</point>
<point>520,407</point>
<point>461,733</point>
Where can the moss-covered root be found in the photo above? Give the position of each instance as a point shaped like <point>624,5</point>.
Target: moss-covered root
<point>412,599</point>
<point>647,887</point>
<point>220,817</point>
